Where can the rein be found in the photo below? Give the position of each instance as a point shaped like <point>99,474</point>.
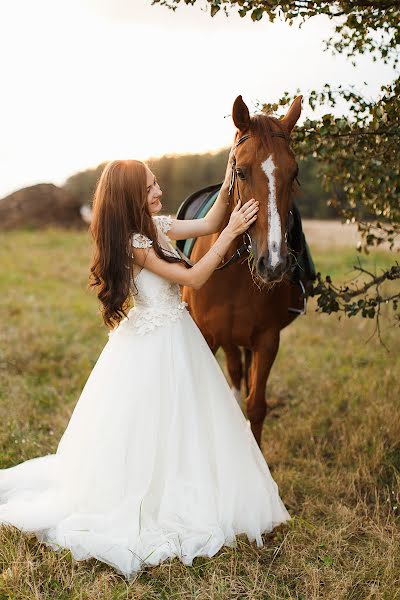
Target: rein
<point>246,246</point>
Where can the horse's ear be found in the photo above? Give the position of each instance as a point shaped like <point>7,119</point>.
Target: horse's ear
<point>241,115</point>
<point>293,114</point>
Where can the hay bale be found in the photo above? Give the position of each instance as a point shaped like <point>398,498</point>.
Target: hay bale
<point>41,205</point>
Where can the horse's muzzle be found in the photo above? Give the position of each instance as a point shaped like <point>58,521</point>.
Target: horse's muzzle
<point>271,273</point>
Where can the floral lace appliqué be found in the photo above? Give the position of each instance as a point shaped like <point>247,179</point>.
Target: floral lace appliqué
<point>141,241</point>
<point>157,303</point>
<point>164,222</point>
<point>141,320</point>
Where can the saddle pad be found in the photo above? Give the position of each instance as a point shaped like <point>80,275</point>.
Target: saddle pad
<point>196,206</point>
<point>203,210</point>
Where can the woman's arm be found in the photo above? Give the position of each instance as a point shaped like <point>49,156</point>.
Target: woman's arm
<point>183,229</point>
<point>196,276</point>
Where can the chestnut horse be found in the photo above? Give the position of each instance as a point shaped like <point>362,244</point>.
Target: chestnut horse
<point>239,307</point>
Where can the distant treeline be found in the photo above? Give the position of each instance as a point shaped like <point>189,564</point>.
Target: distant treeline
<point>179,176</point>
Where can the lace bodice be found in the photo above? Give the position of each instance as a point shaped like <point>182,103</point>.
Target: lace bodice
<point>157,300</point>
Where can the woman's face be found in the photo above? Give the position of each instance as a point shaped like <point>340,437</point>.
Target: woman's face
<point>153,193</point>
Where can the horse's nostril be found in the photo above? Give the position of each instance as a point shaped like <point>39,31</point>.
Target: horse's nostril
<point>282,265</point>
<point>261,264</point>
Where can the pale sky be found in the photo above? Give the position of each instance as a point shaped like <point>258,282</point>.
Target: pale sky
<point>85,81</point>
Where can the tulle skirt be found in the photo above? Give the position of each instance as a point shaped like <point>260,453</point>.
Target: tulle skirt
<point>157,460</point>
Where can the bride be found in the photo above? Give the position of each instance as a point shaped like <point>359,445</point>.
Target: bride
<point>157,460</point>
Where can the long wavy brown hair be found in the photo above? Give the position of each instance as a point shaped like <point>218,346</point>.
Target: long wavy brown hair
<point>120,209</point>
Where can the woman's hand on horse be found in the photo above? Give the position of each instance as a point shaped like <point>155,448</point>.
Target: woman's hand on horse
<point>242,217</point>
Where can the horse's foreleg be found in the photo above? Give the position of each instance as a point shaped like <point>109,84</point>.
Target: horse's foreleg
<point>235,369</point>
<point>262,360</point>
<point>247,367</point>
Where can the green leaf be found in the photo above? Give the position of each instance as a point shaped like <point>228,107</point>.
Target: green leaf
<point>257,14</point>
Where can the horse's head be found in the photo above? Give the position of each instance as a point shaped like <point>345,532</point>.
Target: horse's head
<point>265,169</point>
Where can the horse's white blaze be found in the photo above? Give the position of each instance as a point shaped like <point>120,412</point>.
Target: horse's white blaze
<point>274,221</point>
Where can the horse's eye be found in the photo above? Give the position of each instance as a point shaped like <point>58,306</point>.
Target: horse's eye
<point>240,173</point>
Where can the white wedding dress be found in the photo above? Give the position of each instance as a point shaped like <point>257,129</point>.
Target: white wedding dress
<point>157,460</point>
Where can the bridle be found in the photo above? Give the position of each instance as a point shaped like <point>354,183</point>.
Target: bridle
<point>246,246</point>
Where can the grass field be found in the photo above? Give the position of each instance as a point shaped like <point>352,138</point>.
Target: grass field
<point>331,438</point>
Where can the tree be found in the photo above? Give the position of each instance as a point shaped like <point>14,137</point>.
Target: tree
<point>363,25</point>
<point>357,154</point>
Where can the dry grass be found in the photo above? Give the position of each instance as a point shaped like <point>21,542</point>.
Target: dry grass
<point>331,439</point>
<point>323,234</point>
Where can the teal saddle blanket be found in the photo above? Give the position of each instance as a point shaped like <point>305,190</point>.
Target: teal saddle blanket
<point>197,205</point>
